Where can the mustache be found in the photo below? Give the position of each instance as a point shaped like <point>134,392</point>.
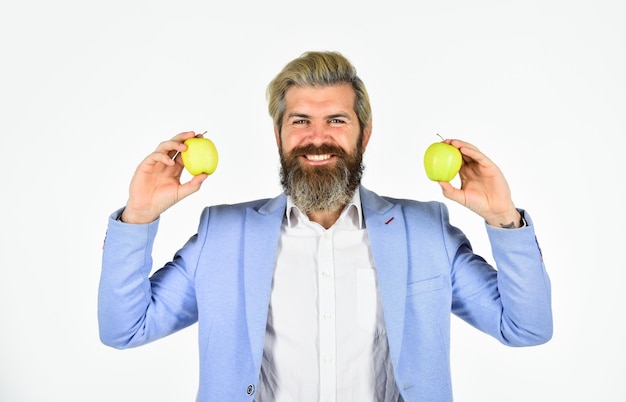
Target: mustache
<point>323,149</point>
<point>325,187</point>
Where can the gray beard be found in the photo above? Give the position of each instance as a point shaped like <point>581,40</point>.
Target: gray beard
<point>322,188</point>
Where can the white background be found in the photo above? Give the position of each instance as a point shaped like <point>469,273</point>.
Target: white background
<point>88,90</point>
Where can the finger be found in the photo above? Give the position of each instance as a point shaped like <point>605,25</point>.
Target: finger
<point>470,152</point>
<point>460,143</point>
<point>170,148</point>
<point>173,145</point>
<point>156,158</point>
<point>465,148</point>
<point>181,137</point>
<point>452,193</point>
<point>192,185</point>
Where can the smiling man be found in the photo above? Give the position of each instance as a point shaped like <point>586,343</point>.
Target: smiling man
<point>328,291</point>
<point>321,147</point>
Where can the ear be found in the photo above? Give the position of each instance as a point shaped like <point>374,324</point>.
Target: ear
<point>367,132</point>
<point>277,136</point>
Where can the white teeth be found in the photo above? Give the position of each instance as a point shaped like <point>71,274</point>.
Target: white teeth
<point>318,157</point>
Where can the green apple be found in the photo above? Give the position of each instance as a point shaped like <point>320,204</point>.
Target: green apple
<point>200,156</point>
<point>442,161</point>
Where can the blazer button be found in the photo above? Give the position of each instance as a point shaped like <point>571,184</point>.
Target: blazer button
<point>250,389</point>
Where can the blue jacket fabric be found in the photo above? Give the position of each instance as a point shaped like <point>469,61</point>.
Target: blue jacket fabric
<point>222,278</point>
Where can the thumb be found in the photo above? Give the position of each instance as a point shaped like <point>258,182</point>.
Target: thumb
<point>192,185</point>
<point>450,192</point>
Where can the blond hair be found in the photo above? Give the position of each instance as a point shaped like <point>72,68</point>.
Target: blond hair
<point>317,69</point>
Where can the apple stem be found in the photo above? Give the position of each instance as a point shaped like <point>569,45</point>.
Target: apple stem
<point>442,139</point>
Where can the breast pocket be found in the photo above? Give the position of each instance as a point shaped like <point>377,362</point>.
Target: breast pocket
<point>425,285</point>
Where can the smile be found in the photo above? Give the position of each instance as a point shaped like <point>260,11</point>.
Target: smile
<point>318,158</point>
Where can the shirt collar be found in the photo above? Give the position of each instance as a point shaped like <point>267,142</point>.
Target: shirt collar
<point>351,215</point>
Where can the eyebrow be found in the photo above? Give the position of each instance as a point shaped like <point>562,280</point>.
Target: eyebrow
<point>292,115</point>
<point>306,116</point>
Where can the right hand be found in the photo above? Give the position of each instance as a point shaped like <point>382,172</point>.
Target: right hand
<point>156,184</point>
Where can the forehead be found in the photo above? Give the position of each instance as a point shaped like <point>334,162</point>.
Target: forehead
<point>339,96</point>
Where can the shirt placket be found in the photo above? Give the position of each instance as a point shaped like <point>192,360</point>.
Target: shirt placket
<point>327,327</point>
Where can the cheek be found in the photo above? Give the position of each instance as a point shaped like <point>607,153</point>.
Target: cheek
<point>290,140</point>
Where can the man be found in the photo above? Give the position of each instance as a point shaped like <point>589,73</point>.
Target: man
<point>328,291</point>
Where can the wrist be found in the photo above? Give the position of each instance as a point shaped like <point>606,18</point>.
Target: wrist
<point>127,216</point>
<point>508,221</point>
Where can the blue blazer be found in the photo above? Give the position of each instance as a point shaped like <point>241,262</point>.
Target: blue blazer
<point>222,278</point>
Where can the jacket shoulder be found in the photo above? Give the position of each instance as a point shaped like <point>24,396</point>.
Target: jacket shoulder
<point>262,205</point>
<point>383,202</point>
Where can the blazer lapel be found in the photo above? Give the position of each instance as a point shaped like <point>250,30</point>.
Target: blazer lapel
<point>387,232</point>
<point>262,230</point>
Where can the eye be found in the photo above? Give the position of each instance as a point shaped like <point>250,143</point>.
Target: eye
<point>298,122</point>
<point>336,121</point>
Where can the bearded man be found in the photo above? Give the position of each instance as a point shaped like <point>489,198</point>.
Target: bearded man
<point>327,292</point>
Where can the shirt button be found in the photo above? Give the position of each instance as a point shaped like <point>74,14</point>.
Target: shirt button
<point>328,359</point>
<point>250,389</point>
<point>326,272</point>
<point>328,316</point>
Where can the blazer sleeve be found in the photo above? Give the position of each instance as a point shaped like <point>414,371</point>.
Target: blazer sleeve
<point>134,307</point>
<point>511,302</point>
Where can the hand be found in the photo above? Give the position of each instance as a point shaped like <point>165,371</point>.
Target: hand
<point>156,184</point>
<point>484,189</point>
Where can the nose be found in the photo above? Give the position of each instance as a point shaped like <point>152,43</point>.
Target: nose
<point>319,134</point>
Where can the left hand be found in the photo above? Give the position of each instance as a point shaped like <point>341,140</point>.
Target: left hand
<point>484,189</point>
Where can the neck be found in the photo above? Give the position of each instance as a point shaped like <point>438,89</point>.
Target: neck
<point>326,218</point>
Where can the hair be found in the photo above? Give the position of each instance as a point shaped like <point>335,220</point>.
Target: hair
<point>317,69</point>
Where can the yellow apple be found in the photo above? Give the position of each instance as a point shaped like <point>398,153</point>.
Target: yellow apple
<point>200,156</point>
<point>442,161</point>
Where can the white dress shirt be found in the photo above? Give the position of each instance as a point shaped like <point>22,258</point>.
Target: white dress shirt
<point>326,338</point>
